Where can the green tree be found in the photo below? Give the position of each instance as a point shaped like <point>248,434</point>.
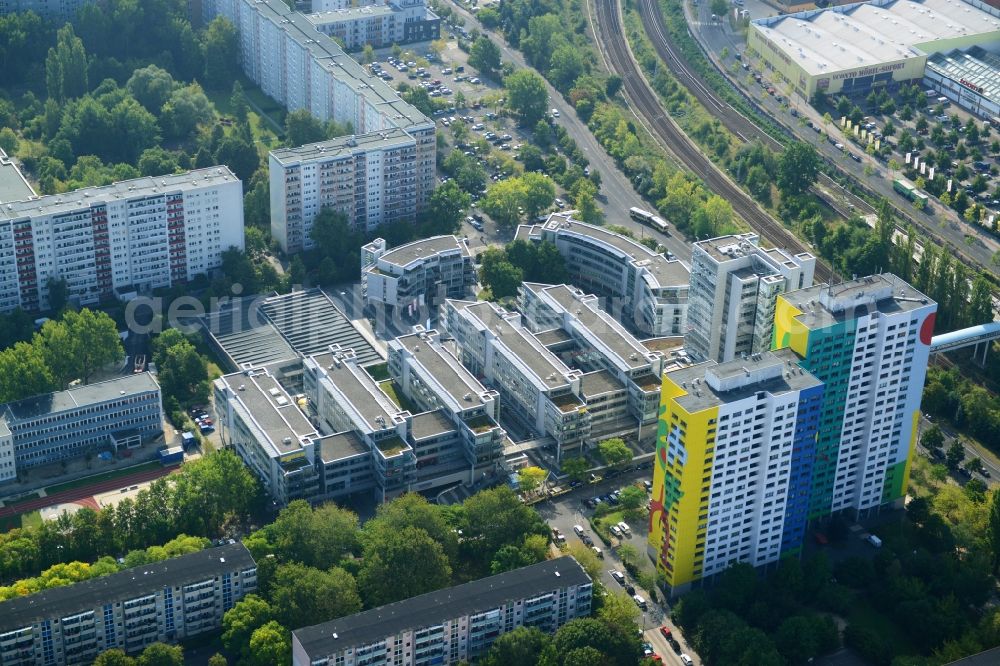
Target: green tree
<point>801,638</point>
<point>539,192</point>
<point>620,611</point>
<point>319,537</point>
<point>720,7</point>
<point>221,54</point>
<point>955,455</point>
<point>993,530</point>
<point>527,96</point>
<point>390,552</point>
<point>239,154</point>
<point>24,372</point>
<point>530,479</point>
<point>238,102</point>
<point>79,344</point>
<point>114,657</point>
<point>305,596</point>
<point>215,488</point>
<point>302,127</point>
<point>242,620</point>
<point>712,218</point>
<point>932,438</point>
<point>566,66</point>
<point>587,208</point>
<point>270,644</point>
<point>498,274</point>
<point>183,374</point>
<point>185,110</point>
<point>151,86</point>
<point>161,654</point>
<point>798,167</point>
<point>485,56</point>
<point>367,54</point>
<point>520,647</point>
<point>8,141</point>
<point>633,503</point>
<point>494,518</point>
<point>447,206</point>
<point>66,66</point>
<point>576,468</point>
<point>503,201</point>
<point>217,660</point>
<point>157,162</point>
<point>614,452</point>
<point>621,647</point>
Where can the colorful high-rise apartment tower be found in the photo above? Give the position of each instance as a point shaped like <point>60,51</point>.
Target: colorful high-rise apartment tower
<point>734,460</point>
<point>868,340</point>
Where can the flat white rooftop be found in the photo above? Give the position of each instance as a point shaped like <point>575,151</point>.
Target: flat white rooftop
<point>872,33</point>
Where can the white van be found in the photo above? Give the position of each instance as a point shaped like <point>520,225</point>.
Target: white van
<point>639,601</point>
<point>578,529</point>
<point>623,526</point>
<point>874,541</point>
<point>598,552</point>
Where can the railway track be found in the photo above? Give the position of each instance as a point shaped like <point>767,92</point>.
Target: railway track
<point>647,104</point>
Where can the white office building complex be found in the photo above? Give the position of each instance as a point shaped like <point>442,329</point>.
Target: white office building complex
<point>456,624</point>
<point>650,290</point>
<point>734,286</point>
<point>378,24</point>
<point>387,164</point>
<point>135,234</point>
<point>617,367</point>
<point>122,413</point>
<point>421,273</point>
<point>536,389</point>
<point>166,601</point>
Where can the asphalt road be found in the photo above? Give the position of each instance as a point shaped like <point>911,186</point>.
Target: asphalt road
<point>617,194</point>
<point>568,510</point>
<point>970,452</point>
<point>944,223</point>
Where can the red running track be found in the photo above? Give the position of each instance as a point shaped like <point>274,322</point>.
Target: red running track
<point>76,494</point>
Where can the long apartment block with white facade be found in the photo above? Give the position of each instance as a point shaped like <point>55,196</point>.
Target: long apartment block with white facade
<point>536,388</point>
<point>734,287</point>
<point>651,290</point>
<point>301,68</point>
<point>599,344</point>
<point>135,234</point>
<point>122,413</point>
<point>377,23</point>
<point>165,601</point>
<point>421,273</point>
<point>456,624</point>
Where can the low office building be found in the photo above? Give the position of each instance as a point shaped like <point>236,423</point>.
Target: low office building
<point>166,601</point>
<point>373,179</point>
<point>381,25</point>
<point>617,364</point>
<point>419,274</point>
<point>457,624</point>
<point>122,413</point>
<point>649,290</point>
<point>137,234</point>
<point>537,390</point>
<point>734,287</point>
<point>733,465</point>
<point>970,79</point>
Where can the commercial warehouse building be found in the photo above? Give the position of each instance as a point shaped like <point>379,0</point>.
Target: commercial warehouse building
<point>649,290</point>
<point>301,68</point>
<point>453,625</point>
<point>853,48</point>
<point>122,413</point>
<point>135,234</point>
<point>165,601</point>
<point>970,79</point>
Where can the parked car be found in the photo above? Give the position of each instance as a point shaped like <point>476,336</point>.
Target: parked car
<point>623,526</point>
<point>598,552</point>
<point>618,576</point>
<point>687,661</point>
<point>578,529</point>
<point>639,601</point>
<point>555,113</point>
<point>675,646</point>
<point>616,531</point>
<point>665,632</point>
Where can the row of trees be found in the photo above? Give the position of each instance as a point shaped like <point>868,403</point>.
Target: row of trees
<point>503,270</point>
<point>73,347</point>
<point>209,497</point>
<point>67,573</point>
<point>181,371</point>
<point>971,407</point>
<point>317,564</point>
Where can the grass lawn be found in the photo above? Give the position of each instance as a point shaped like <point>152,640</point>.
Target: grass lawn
<point>114,474</point>
<point>602,524</point>
<point>27,498</point>
<point>31,519</point>
<point>391,389</point>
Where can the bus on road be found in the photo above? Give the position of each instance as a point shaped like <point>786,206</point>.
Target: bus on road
<point>645,217</point>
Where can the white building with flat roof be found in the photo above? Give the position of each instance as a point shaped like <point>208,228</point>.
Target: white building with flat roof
<point>734,286</point>
<point>421,273</point>
<point>376,23</point>
<point>650,289</point>
<point>145,233</point>
<point>853,48</point>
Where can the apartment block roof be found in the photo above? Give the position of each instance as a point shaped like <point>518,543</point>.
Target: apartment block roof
<point>79,396</point>
<point>776,372</point>
<point>137,188</point>
<point>443,368</point>
<point>343,146</point>
<point>824,305</point>
<point>430,424</point>
<point>350,14</point>
<point>13,185</point>
<point>873,33</point>
<point>341,445</point>
<point>267,404</point>
<point>433,608</point>
<point>59,602</point>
